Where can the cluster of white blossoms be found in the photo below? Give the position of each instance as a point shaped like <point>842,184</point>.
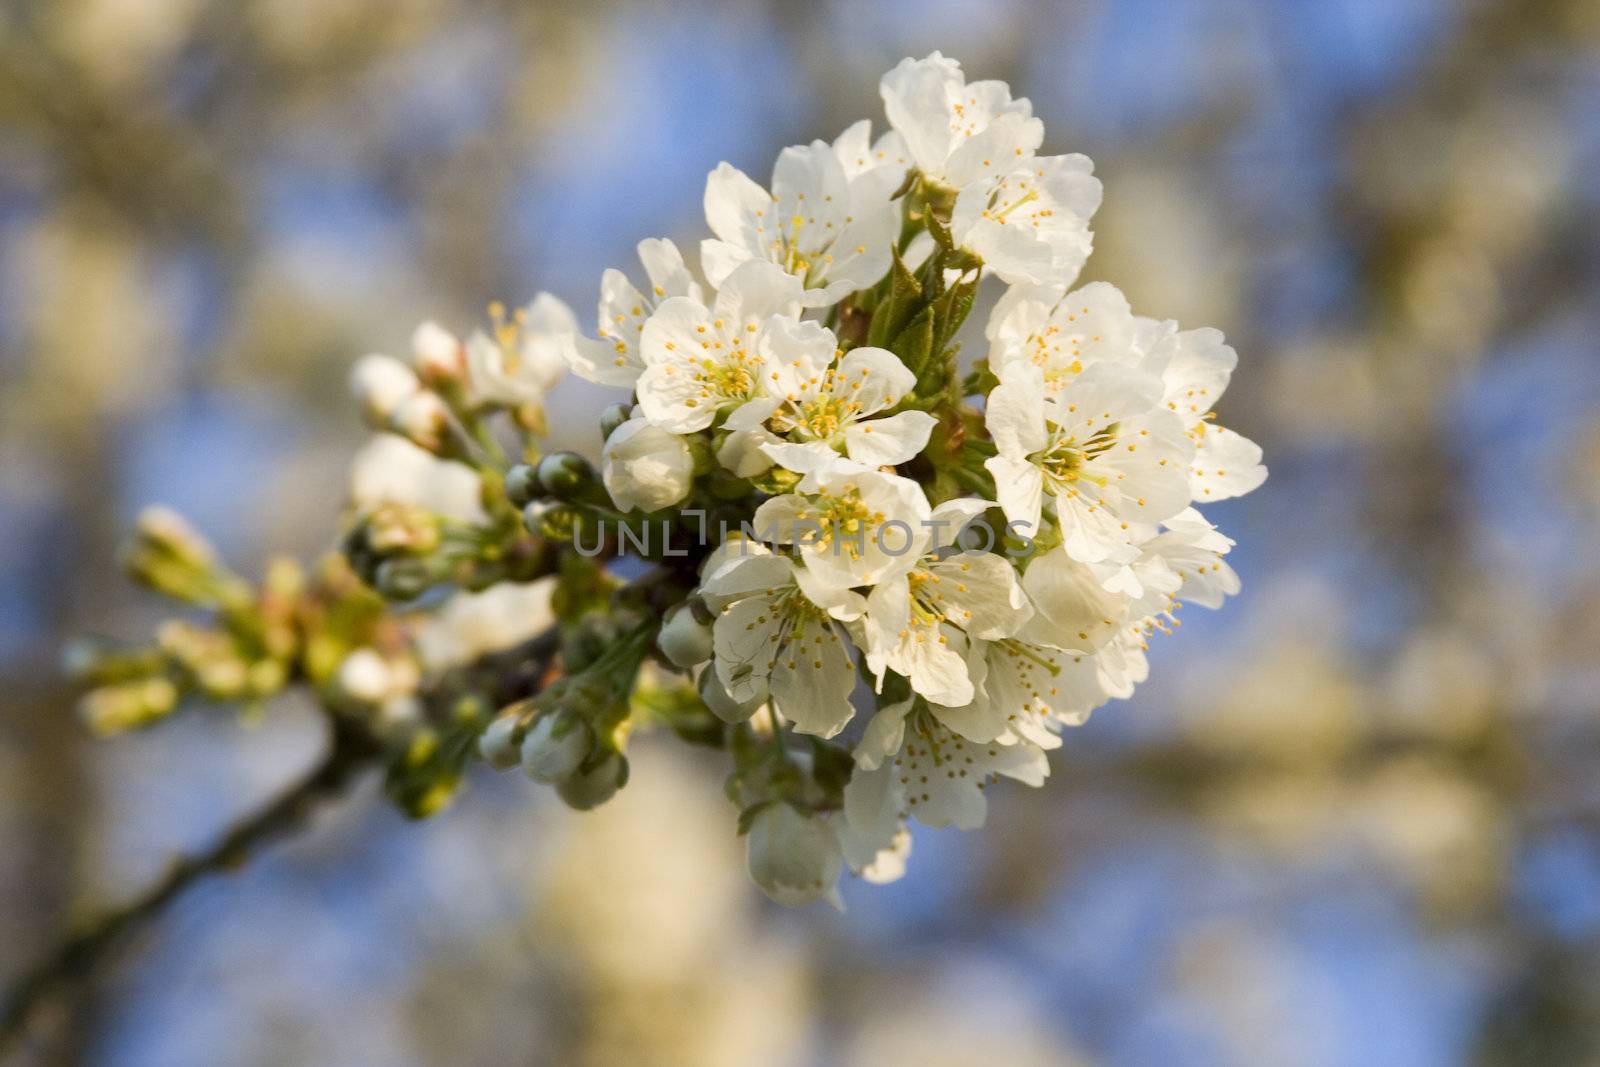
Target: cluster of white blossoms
<point>860,557</point>
<point>878,578</point>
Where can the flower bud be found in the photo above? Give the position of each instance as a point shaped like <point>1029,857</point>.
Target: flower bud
<point>646,467</point>
<point>170,556</point>
<point>497,744</point>
<point>422,419</point>
<point>612,417</point>
<point>716,697</point>
<point>684,639</point>
<point>522,485</point>
<point>436,355</point>
<point>364,676</point>
<point>550,518</point>
<point>565,474</point>
<point>397,528</point>
<point>592,786</point>
<point>556,745</point>
<point>381,384</point>
<point>793,856</point>
<point>402,579</point>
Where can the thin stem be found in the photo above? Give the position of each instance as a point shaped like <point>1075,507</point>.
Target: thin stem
<point>349,752</point>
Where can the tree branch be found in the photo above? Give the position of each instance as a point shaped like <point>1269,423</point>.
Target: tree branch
<point>349,752</point>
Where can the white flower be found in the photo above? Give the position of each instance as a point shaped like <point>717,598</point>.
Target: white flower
<point>392,470</point>
<point>853,525</point>
<point>1031,222</point>
<point>470,626</point>
<point>919,622</point>
<point>794,857</point>
<point>1061,335</point>
<point>615,358</point>
<point>1104,450</point>
<point>911,764</point>
<point>699,360</point>
<point>778,631</point>
<point>381,384</point>
<point>872,831</point>
<point>1073,608</point>
<point>1196,367</point>
<point>645,467</point>
<point>1193,549</point>
<point>821,406</point>
<point>1024,691</point>
<point>829,228</point>
<point>957,133</point>
<point>525,356</point>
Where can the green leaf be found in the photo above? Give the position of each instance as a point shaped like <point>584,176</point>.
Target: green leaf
<point>953,308</point>
<point>982,380</point>
<point>914,344</point>
<point>939,230</point>
<point>905,297</point>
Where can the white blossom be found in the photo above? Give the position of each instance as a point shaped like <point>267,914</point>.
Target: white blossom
<point>700,360</point>
<point>817,405</point>
<point>555,746</point>
<point>1030,223</point>
<point>920,621</point>
<point>913,765</point>
<point>828,223</point>
<point>778,631</point>
<point>1103,451</point>
<point>684,640</point>
<point>957,133</point>
<point>391,470</point>
<point>471,625</point>
<point>615,357</point>
<point>523,356</point>
<point>436,354</point>
<point>853,525</point>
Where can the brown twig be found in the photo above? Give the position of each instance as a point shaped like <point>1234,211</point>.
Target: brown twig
<point>350,751</point>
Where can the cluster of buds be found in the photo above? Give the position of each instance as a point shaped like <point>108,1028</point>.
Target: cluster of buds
<point>876,579</point>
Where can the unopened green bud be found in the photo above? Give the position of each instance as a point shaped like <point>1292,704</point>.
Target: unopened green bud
<point>522,485</point>
<point>402,579</point>
<point>550,518</point>
<point>565,474</point>
<point>593,785</point>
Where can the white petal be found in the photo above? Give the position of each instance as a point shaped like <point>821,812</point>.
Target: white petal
<point>733,204</point>
<point>890,441</point>
<point>1226,464</point>
<point>1019,485</point>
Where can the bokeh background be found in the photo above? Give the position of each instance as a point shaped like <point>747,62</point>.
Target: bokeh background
<point>1352,819</point>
